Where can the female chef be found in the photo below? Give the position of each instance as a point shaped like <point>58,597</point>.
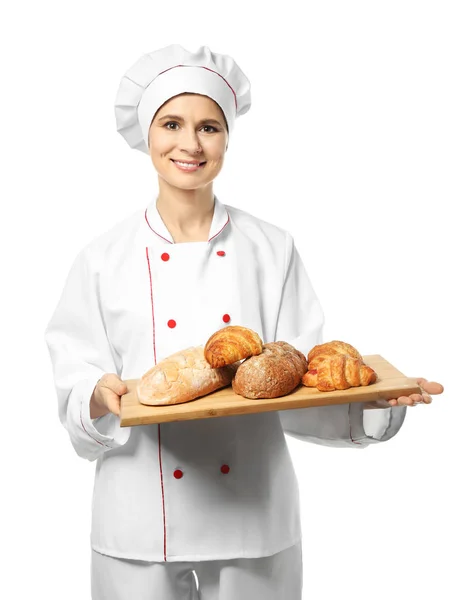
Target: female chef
<point>215,497</point>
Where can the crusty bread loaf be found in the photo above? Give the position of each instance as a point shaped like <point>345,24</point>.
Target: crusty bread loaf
<point>181,377</point>
<point>230,344</point>
<point>336,366</point>
<point>273,373</point>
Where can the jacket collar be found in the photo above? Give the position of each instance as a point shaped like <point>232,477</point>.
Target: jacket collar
<point>156,224</point>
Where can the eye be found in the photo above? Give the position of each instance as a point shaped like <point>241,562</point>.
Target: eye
<point>205,127</point>
<point>170,123</point>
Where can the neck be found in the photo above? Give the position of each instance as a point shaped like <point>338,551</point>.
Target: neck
<point>187,214</point>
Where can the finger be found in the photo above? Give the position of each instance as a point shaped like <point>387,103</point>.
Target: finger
<point>110,399</point>
<point>431,387</point>
<point>405,401</point>
<point>427,398</point>
<point>114,405</point>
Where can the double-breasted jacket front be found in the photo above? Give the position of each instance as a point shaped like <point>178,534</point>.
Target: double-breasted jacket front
<point>204,489</point>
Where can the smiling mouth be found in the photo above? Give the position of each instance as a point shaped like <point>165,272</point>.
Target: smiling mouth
<point>188,164</point>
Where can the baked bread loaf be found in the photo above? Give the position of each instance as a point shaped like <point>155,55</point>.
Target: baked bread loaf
<point>336,366</point>
<point>181,377</point>
<point>230,344</point>
<point>273,373</point>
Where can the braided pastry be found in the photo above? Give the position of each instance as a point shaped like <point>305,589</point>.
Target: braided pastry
<point>336,366</point>
<point>230,344</point>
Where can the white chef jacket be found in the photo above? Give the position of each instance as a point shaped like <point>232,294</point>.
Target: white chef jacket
<point>203,489</point>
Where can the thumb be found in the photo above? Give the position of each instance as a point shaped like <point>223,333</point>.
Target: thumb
<point>431,387</point>
<point>115,384</point>
<point>122,388</point>
<point>119,387</point>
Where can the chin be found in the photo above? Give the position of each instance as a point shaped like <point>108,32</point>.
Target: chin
<point>182,183</point>
<point>188,181</point>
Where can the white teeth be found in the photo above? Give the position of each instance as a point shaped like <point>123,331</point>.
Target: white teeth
<point>187,165</point>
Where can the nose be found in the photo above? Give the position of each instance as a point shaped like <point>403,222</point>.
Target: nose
<point>189,141</point>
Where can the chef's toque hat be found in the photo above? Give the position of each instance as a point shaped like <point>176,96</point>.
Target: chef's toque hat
<point>160,75</point>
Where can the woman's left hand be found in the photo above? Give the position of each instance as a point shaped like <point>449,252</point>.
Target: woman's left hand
<point>429,389</point>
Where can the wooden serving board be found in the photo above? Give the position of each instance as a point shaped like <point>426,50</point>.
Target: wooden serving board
<point>390,384</point>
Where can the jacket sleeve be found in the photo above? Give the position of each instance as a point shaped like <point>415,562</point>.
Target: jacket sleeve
<point>80,355</point>
<point>300,323</point>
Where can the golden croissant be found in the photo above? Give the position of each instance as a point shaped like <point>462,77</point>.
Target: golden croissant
<point>336,366</point>
<point>231,344</point>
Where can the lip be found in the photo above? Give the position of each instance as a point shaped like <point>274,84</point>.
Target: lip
<point>188,162</point>
<point>192,166</point>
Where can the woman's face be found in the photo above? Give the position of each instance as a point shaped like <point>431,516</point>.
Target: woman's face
<point>188,128</point>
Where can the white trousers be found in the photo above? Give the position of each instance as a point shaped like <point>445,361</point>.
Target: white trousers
<point>277,577</point>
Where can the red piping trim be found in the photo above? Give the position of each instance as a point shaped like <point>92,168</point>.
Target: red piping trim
<point>160,447</point>
<point>152,303</point>
<point>160,236</point>
<point>228,218</point>
<point>359,443</point>
<point>163,497</point>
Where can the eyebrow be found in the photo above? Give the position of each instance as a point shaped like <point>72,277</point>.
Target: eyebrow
<point>178,118</point>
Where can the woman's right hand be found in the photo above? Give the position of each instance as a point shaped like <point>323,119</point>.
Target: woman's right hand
<point>106,396</point>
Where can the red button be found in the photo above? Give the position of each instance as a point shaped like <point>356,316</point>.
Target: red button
<point>221,253</point>
<point>172,323</point>
<point>226,318</point>
<point>178,474</point>
<point>165,256</point>
<point>225,469</point>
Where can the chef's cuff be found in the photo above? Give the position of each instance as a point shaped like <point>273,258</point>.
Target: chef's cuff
<point>336,425</point>
<point>376,424</point>
<point>104,430</point>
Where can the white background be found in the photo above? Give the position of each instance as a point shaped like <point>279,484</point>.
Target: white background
<point>358,143</point>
